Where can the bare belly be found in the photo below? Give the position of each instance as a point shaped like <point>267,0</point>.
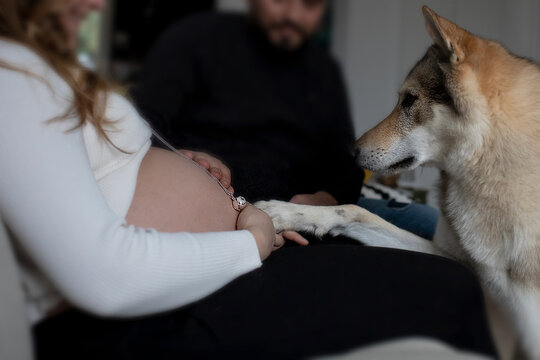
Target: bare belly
<point>172,195</point>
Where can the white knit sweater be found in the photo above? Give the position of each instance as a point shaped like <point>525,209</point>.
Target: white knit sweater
<point>68,229</point>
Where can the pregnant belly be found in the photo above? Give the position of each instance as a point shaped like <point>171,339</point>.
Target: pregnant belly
<point>173,194</point>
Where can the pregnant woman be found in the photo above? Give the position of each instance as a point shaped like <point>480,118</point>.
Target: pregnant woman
<point>109,230</point>
<point>76,161</point>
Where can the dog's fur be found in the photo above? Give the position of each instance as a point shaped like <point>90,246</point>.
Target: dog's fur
<point>472,109</point>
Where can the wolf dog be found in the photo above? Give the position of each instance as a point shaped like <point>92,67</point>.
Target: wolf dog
<point>471,109</point>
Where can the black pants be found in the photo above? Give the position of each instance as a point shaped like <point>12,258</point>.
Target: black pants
<point>303,301</point>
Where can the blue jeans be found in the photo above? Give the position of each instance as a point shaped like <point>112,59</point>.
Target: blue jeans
<point>416,218</point>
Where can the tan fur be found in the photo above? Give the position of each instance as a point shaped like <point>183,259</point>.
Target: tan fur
<point>385,132</point>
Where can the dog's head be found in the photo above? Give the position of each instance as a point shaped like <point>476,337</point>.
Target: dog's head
<point>445,104</point>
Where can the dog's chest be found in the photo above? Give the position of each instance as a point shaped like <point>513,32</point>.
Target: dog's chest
<point>496,225</point>
<point>482,228</point>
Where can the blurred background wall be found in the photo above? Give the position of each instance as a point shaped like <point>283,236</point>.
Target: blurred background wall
<point>376,42</point>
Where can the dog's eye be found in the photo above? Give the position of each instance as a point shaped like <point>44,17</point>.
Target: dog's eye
<point>408,100</point>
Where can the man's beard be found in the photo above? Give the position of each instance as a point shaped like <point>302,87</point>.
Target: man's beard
<point>286,43</point>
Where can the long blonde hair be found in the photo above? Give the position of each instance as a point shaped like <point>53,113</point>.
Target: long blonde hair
<point>36,24</point>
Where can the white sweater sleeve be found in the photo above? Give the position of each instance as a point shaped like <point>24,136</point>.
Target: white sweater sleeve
<point>51,202</point>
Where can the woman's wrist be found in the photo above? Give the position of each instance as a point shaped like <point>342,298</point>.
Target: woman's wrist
<point>260,225</point>
<point>264,244</point>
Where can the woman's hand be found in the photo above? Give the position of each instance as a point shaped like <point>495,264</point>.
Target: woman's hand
<point>260,225</point>
<point>213,165</point>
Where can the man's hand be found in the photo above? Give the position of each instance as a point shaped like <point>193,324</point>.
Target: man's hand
<point>213,165</point>
<point>321,198</point>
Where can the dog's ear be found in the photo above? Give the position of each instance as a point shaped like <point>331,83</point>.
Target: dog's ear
<point>447,35</point>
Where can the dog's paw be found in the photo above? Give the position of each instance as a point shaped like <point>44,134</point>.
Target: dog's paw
<point>281,212</point>
<point>271,206</point>
<point>295,217</point>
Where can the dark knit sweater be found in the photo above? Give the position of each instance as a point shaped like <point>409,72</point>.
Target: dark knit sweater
<point>279,119</point>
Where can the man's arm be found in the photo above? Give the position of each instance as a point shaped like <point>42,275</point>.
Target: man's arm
<point>338,174</point>
<point>320,198</point>
<point>169,75</point>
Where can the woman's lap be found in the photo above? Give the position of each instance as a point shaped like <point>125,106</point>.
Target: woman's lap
<point>304,301</point>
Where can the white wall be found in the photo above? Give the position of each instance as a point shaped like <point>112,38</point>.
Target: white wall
<point>231,5</point>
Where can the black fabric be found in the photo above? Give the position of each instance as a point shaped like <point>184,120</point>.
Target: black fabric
<point>280,120</point>
<point>303,301</point>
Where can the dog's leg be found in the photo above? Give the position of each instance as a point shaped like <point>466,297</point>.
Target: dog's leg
<point>526,313</point>
<point>348,220</point>
<point>521,303</point>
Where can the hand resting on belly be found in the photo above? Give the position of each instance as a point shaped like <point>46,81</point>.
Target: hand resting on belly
<point>173,194</point>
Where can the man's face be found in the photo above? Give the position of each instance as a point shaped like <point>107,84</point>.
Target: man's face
<point>288,23</point>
